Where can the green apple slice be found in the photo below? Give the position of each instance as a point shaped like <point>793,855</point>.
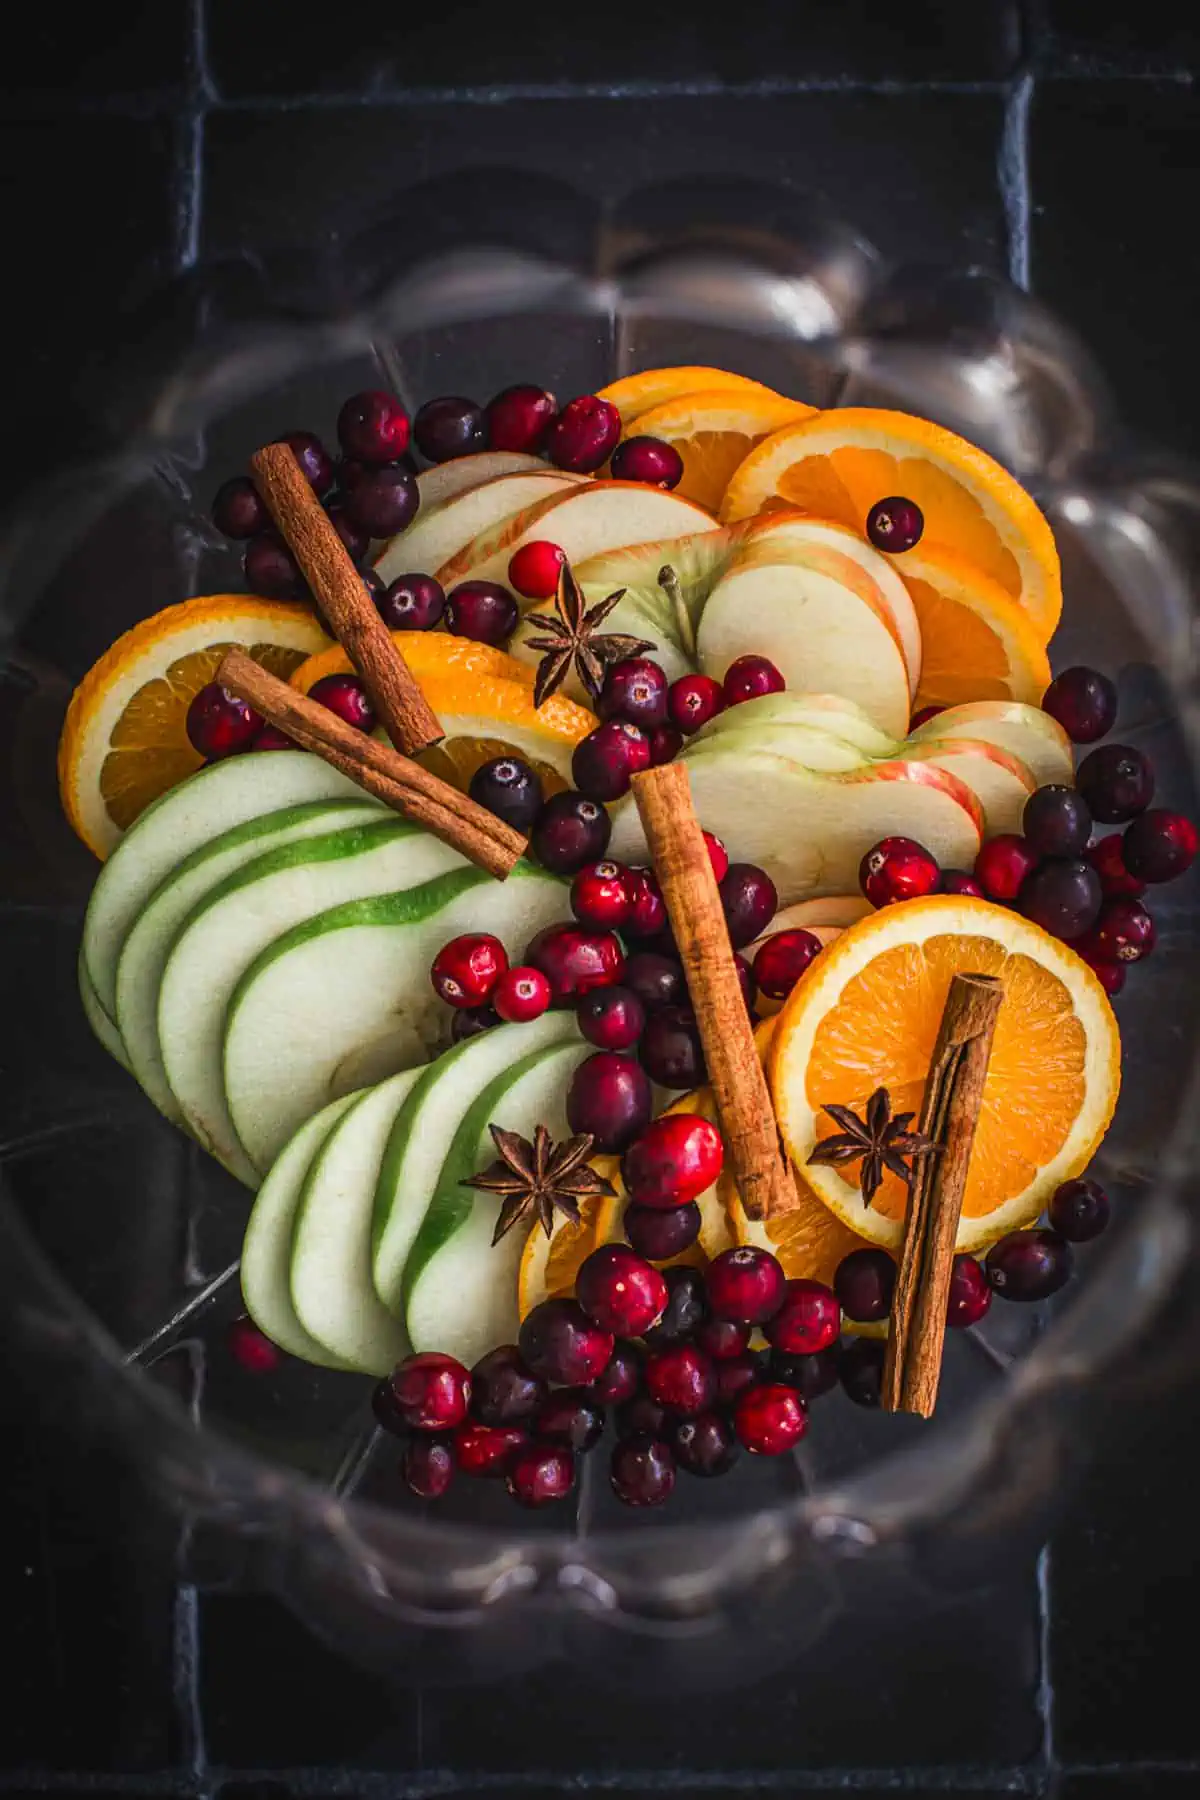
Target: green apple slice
<point>435,535</point>
<point>344,997</point>
<point>460,1289</point>
<point>208,803</point>
<point>98,1019</point>
<point>698,561</point>
<point>446,480</point>
<point>152,937</point>
<point>821,712</point>
<point>819,750</point>
<point>332,1290</point>
<point>240,918</point>
<point>630,615</point>
<point>266,1270</point>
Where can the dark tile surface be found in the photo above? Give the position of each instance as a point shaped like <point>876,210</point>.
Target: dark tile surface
<point>1156,34</point>
<point>1131,1784</point>
<point>59,56</point>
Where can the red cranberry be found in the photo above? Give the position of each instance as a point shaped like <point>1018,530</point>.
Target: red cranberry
<point>570,831</point>
<point>1123,933</point>
<point>372,427</point>
<point>521,994</point>
<point>674,1160</point>
<point>560,1343</point>
<point>809,1319</point>
<point>811,1376</point>
<point>355,541</point>
<point>221,723</point>
<point>509,788</point>
<point>534,569</point>
<point>316,464</point>
<point>642,1471</point>
<point>1110,975</point>
<point>518,416</point>
<point>483,611</point>
<point>571,1416</point>
<point>575,961</point>
<point>662,1235</point>
<point>686,1307</point>
<point>749,677</point>
<point>1107,857</point>
<point>718,856</point>
<point>1003,864</point>
<point>584,434</point>
<point>346,696</point>
<point>611,1018</point>
<point>449,426</point>
<point>540,1473</point>
<point>746,1284</point>
<point>432,1391</point>
<point>412,603</point>
<point>1159,846</point>
<point>1063,896</point>
<point>1029,1265</point>
<point>665,744</point>
<point>957,881</point>
<point>749,902</point>
<point>470,1021</point>
<point>1084,702</point>
<point>503,1392</point>
<point>648,459</point>
<point>271,738</point>
<point>600,896</point>
<point>736,1374</point>
<point>622,1378</point>
<point>427,1466</point>
<point>681,1378</point>
<point>466,970</point>
<point>657,980</point>
<point>1079,1210</point>
<point>895,524</point>
<point>723,1339</point>
<point>238,510</point>
<point>620,1290</point>
<point>860,1370</point>
<point>609,1097</point>
<point>1056,821</point>
<point>670,1049</point>
<point>922,717</point>
<point>635,690</point>
<point>864,1283</point>
<point>970,1296</point>
<point>252,1347</point>
<point>647,908</point>
<point>641,1414</point>
<point>897,868</point>
<point>485,1449</point>
<point>692,701</point>
<point>746,982</point>
<point>771,1419</point>
<point>271,570</point>
<point>705,1445</point>
<point>605,761</point>
<point>384,501</point>
<point>782,960</point>
<point>1117,782</point>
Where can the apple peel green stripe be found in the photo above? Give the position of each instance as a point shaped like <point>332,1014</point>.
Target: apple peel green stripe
<point>264,825</point>
<point>353,840</point>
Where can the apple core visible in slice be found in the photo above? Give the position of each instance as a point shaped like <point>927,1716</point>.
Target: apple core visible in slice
<point>435,536</point>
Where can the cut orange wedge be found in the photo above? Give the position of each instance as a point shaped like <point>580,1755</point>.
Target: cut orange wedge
<point>549,1265</point>
<point>426,653</point>
<point>634,394</point>
<point>714,430</point>
<point>977,642</point>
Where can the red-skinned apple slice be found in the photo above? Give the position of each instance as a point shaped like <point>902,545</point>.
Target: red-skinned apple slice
<point>444,481</point>
<point>816,712</point>
<point>831,910</point>
<point>1026,732</point>
<point>434,536</point>
<point>1000,782</point>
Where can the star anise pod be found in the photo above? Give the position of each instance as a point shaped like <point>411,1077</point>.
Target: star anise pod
<point>882,1141</point>
<point>539,1176</point>
<point>574,637</point>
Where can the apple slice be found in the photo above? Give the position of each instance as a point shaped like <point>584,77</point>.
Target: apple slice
<point>698,562</point>
<point>1026,732</point>
<point>435,535</point>
<point>810,832</point>
<point>837,910</point>
<point>817,750</point>
<point>103,1027</point>
<point>630,615</point>
<point>445,481</point>
<point>819,712</point>
<point>1000,782</point>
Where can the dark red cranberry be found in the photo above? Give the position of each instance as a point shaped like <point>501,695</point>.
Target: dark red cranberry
<point>686,1306</point>
<point>723,1339</point>
<point>571,1416</point>
<point>517,417</point>
<point>509,788</point>
<point>538,1474</point>
<point>483,611</point>
<point>575,961</point>
<point>600,896</point>
<point>376,591</point>
<point>412,603</point>
<point>521,994</point>
<point>718,856</point>
<point>665,744</point>
<point>770,1419</point>
<point>560,1343</point>
<point>570,831</point>
<point>606,760</point>
<point>346,696</point>
<point>485,1449</point>
<point>1123,933</point>
<point>749,677</point>
<point>1107,857</point>
<point>657,980</point>
<point>746,982</point>
<point>1056,821</point>
<point>969,1296</point>
<point>895,524</point>
<point>1079,1210</point>
<point>749,902</point>
<point>251,1347</point>
<point>860,1370</point>
<point>809,1319</point>
<point>622,1378</point>
<point>384,501</point>
<point>220,723</point>
<point>642,1470</point>
<point>1159,846</point>
<point>272,571</point>
<point>449,426</point>
<point>583,435</point>
<point>432,1391</point>
<point>782,960</point>
<point>957,881</point>
<point>620,1290</point>
<point>705,1445</point>
<point>635,690</point>
<point>611,1018</point>
<point>811,1376</point>
<point>1117,782</point>
<point>1084,702</point>
<point>641,1414</point>
<point>647,908</point>
<point>315,461</point>
<point>373,427</point>
<point>271,738</point>
<point>680,1378</point>
<point>670,1049</point>
<point>648,459</point>
<point>466,970</point>
<point>609,1097</point>
<point>746,1284</point>
<point>1003,864</point>
<point>427,1466</point>
<point>386,1413</point>
<point>864,1283</point>
<point>1110,975</point>
<point>503,1392</point>
<point>1063,896</point>
<point>736,1374</point>
<point>1029,1265</point>
<point>534,569</point>
<point>355,541</point>
<point>673,1161</point>
<point>922,716</point>
<point>661,1235</point>
<point>470,1021</point>
<point>238,510</point>
<point>897,868</point>
<point>692,701</point>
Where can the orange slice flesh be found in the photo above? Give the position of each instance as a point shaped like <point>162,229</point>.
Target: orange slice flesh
<point>426,653</point>
<point>977,642</point>
<point>635,394</point>
<point>549,1265</point>
<point>714,432</point>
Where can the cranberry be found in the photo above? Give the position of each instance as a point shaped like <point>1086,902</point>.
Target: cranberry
<point>657,980</point>
<point>1084,702</point>
<point>723,1339</point>
<point>674,1160</point>
<point>1123,933</point>
<point>376,592</point>
<point>895,524</point>
<point>316,464</point>
<point>681,1378</point>
<point>503,1392</point>
<point>575,961</point>
<point>686,1306</point>
<point>811,1376</point>
<point>571,1416</point>
<point>221,723</point>
<point>540,1473</point>
<point>969,1296</point>
<point>355,541</point>
<point>897,868</point>
<point>957,881</point>
<point>386,1413</point>
<point>372,427</point>
<point>746,982</point>
<point>692,701</point>
<point>559,1342</point>
<point>518,416</point>
<point>620,1290</point>
<point>648,459</point>
<point>1159,846</point>
<point>611,1018</point>
<point>449,426</point>
<point>428,1466</point>
<point>466,969</point>
<point>641,1414</point>
<point>736,1374</point>
<point>584,434</point>
<point>534,569</point>
<point>1107,857</point>
<point>384,501</point>
<point>570,831</point>
<point>470,1021</point>
<point>600,896</point>
<point>622,1378</point>
<point>749,902</point>
<point>749,677</point>
<point>509,788</point>
<point>1029,1265</point>
<point>746,1284</point>
<point>485,1449</point>
<point>809,1319</point>
<point>922,716</point>
<point>238,509</point>
<point>605,761</point>
<point>718,856</point>
<point>1117,782</point>
<point>860,1370</point>
<point>665,744</point>
<point>642,1471</point>
<point>1056,821</point>
<point>635,690</point>
<point>1063,896</point>
<point>483,611</point>
<point>662,1235</point>
<point>271,570</point>
<point>770,1419</point>
<point>647,908</point>
<point>1079,1210</point>
<point>271,738</point>
<point>521,994</point>
<point>1110,975</point>
<point>251,1347</point>
<point>1003,864</point>
<point>782,960</point>
<point>432,1391</point>
<point>609,1097</point>
<point>705,1445</point>
<point>670,1050</point>
<point>864,1283</point>
<point>346,696</point>
<point>412,603</point>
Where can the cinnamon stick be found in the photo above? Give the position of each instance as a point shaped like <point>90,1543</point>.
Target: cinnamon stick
<point>400,783</point>
<point>406,715</point>
<point>747,1118</point>
<point>949,1115</point>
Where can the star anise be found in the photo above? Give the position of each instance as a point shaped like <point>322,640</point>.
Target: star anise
<point>574,637</point>
<point>539,1176</point>
<point>882,1141</point>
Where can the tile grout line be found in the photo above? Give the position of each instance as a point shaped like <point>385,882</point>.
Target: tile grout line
<point>1045,1680</point>
<point>189,155</point>
<point>185,1622</point>
<point>1012,169</point>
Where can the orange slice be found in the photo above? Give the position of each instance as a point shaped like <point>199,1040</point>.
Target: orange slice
<point>837,464</point>
<point>124,741</point>
<point>977,642</point>
<point>865,1015</point>
<point>714,431</point>
<point>635,394</point>
<point>549,1265</point>
<point>426,653</point>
